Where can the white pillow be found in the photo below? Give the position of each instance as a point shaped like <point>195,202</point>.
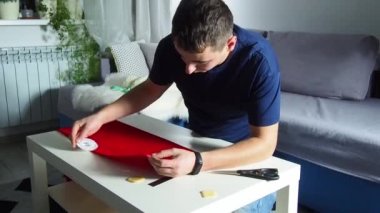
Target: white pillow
<point>129,59</point>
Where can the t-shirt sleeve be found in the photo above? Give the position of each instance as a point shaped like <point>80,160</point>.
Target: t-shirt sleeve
<point>160,72</point>
<point>264,106</point>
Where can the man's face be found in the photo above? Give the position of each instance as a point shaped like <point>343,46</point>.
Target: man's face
<point>204,61</point>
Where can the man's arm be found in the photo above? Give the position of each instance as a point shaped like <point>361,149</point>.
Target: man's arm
<point>134,101</point>
<point>254,149</point>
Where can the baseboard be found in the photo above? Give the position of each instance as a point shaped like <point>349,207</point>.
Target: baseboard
<point>17,132</point>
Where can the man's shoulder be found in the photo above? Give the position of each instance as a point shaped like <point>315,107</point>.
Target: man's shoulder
<point>166,47</point>
<point>249,36</point>
<point>166,42</point>
<point>253,43</point>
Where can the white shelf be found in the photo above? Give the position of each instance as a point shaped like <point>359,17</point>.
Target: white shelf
<point>24,22</point>
<point>73,198</point>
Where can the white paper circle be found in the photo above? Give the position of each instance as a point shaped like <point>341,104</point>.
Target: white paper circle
<point>87,144</point>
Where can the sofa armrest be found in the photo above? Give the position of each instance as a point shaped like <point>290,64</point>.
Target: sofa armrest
<point>375,88</point>
<point>107,63</point>
<point>105,68</point>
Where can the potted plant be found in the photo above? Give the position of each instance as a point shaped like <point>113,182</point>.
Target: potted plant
<point>45,8</point>
<point>9,9</point>
<point>84,59</point>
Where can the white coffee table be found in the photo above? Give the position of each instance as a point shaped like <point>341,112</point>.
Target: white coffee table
<point>99,184</point>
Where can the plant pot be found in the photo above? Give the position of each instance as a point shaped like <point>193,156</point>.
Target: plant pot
<point>10,10</point>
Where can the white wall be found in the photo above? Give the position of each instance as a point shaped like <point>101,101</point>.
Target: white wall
<point>331,16</point>
<point>25,35</point>
<point>344,16</point>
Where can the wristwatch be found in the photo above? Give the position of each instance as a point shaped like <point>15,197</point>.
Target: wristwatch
<point>198,164</point>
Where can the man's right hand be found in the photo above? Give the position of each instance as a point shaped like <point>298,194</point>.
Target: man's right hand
<point>135,100</point>
<point>85,127</point>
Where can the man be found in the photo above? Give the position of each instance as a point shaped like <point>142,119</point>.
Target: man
<point>230,82</point>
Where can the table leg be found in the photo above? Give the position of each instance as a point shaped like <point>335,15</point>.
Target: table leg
<point>287,199</point>
<point>40,197</point>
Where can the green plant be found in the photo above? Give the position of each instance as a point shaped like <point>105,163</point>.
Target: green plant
<point>7,0</point>
<point>84,60</point>
<point>41,7</point>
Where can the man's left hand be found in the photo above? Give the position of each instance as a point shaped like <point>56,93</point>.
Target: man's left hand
<point>173,162</point>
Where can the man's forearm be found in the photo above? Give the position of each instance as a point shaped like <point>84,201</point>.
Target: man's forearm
<point>245,152</point>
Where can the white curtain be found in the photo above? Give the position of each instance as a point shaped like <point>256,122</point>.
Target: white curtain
<point>117,21</point>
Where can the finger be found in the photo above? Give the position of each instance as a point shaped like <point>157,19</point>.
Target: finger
<point>162,168</point>
<point>151,160</point>
<point>165,153</point>
<point>154,161</point>
<point>74,133</point>
<point>83,133</point>
<point>164,163</point>
<point>169,172</point>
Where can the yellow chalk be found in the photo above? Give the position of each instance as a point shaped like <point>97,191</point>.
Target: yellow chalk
<point>137,179</point>
<point>208,194</point>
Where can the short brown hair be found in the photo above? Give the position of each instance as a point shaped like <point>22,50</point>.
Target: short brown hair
<point>198,24</point>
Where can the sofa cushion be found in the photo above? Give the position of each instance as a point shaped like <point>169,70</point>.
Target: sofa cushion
<point>129,59</point>
<point>377,66</point>
<point>342,135</point>
<point>325,65</point>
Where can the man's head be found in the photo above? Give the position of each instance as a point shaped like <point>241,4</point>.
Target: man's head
<point>202,31</point>
<point>200,23</point>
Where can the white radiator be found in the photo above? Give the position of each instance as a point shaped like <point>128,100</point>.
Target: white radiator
<point>29,82</point>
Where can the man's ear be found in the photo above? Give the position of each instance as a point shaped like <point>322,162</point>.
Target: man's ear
<point>231,43</point>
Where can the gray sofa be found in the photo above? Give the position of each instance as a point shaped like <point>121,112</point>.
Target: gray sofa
<point>330,116</point>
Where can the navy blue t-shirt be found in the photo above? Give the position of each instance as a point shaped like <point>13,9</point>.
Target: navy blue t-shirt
<point>224,101</point>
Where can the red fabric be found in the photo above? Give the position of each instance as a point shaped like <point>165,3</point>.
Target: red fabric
<point>127,144</point>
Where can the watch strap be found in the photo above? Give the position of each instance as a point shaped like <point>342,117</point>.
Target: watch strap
<point>198,164</point>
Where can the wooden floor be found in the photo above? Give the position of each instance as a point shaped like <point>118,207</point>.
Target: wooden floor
<point>14,163</point>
